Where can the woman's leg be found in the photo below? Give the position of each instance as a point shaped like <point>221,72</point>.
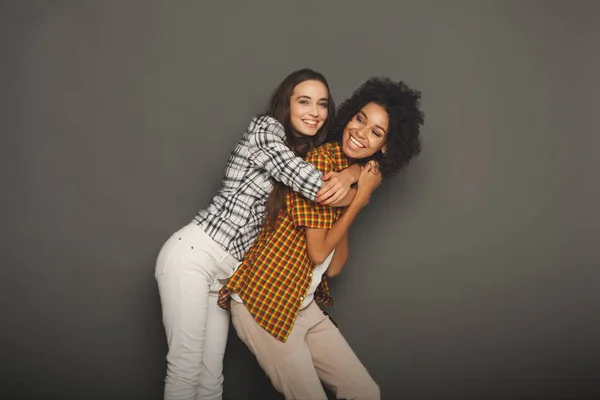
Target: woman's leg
<point>185,271</point>
<point>210,382</point>
<point>288,365</point>
<point>337,366</point>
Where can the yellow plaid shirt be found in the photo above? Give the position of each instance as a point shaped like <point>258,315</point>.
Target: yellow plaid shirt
<point>276,272</point>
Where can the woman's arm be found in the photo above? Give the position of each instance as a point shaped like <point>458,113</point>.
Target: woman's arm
<point>346,200</point>
<point>269,150</point>
<point>339,257</point>
<point>332,192</point>
<point>321,242</point>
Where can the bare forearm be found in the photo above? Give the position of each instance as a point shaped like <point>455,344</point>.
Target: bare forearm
<point>321,247</point>
<point>339,257</point>
<point>346,200</point>
<point>354,171</point>
<point>321,242</point>
<point>337,191</point>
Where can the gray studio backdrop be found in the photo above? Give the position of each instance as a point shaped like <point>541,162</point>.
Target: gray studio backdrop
<point>473,275</point>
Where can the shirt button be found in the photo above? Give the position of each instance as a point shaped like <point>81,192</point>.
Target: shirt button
<point>311,274</point>
<point>301,298</point>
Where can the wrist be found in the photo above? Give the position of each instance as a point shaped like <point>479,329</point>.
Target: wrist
<point>359,201</point>
<point>355,170</point>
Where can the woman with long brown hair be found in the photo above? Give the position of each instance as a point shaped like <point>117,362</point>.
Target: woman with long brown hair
<point>196,260</point>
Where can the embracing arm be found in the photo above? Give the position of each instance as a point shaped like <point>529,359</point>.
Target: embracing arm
<point>321,242</point>
<point>339,257</point>
<point>332,193</point>
<point>269,150</point>
<point>345,201</point>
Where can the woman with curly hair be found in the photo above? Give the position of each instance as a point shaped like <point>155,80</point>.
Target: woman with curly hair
<point>195,260</point>
<point>273,294</point>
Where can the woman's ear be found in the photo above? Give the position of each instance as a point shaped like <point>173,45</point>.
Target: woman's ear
<point>384,150</point>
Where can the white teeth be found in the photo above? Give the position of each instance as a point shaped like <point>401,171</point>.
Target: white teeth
<point>309,122</point>
<point>356,143</point>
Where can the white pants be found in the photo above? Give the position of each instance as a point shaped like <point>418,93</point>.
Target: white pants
<point>189,271</point>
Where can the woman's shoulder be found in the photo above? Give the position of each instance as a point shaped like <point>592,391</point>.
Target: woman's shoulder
<point>264,129</point>
<point>328,157</point>
<point>264,122</point>
<point>328,150</point>
<point>322,157</point>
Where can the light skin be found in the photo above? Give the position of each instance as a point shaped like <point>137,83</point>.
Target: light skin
<point>308,107</point>
<point>336,190</point>
<point>308,113</point>
<point>363,136</point>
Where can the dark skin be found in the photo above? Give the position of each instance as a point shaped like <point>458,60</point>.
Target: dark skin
<point>339,257</point>
<point>321,242</point>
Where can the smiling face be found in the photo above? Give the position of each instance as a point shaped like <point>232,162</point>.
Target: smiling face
<point>366,133</point>
<point>308,107</point>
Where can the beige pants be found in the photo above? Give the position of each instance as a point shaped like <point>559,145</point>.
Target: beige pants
<point>315,352</point>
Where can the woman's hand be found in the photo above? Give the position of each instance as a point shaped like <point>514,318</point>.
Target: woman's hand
<point>337,185</point>
<point>370,179</point>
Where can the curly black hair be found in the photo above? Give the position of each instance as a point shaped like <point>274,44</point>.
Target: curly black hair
<point>405,120</point>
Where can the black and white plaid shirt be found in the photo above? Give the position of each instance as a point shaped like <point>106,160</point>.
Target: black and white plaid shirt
<point>236,214</point>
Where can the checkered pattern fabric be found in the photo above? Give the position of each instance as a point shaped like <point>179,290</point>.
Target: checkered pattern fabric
<point>233,217</point>
<point>276,273</point>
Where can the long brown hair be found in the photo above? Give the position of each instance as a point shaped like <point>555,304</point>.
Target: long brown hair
<point>279,108</point>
